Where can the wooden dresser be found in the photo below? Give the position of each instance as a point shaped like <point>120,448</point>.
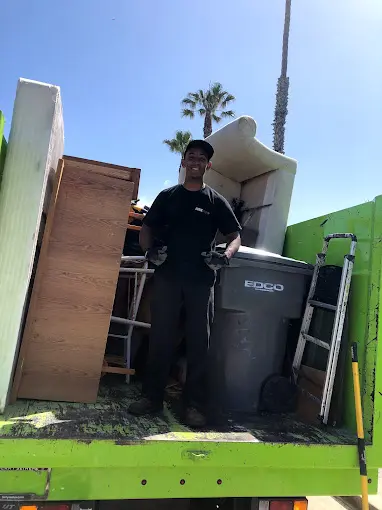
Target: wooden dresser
<point>67,324</point>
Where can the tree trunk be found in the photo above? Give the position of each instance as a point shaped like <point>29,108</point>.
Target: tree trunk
<point>284,60</point>
<point>281,112</point>
<point>281,108</point>
<point>207,130</point>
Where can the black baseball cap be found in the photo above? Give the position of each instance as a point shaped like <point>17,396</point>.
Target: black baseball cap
<point>201,144</point>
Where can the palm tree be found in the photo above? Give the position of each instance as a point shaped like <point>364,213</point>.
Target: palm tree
<point>179,143</point>
<point>210,104</point>
<point>281,108</point>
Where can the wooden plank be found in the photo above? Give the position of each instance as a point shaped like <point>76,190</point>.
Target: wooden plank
<point>68,322</point>
<point>115,360</point>
<point>134,227</point>
<point>118,171</point>
<point>311,382</point>
<point>117,370</point>
<point>136,216</point>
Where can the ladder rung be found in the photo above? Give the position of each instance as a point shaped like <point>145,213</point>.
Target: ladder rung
<point>136,270</point>
<point>129,322</point>
<point>107,369</point>
<point>320,304</point>
<point>133,258</point>
<point>316,341</point>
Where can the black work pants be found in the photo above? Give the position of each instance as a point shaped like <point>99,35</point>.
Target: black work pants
<point>166,303</point>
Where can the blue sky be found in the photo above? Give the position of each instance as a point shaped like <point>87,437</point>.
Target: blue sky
<point>124,66</point>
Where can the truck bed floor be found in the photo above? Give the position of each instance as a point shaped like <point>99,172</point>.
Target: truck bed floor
<point>108,419</point>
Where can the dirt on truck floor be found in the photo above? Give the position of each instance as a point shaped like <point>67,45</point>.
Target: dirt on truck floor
<point>109,419</point>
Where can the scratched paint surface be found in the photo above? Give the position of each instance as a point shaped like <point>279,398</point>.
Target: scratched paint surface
<point>108,419</point>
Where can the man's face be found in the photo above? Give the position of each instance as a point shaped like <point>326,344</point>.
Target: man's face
<point>196,163</point>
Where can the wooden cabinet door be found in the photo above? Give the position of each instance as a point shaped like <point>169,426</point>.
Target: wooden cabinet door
<point>68,319</point>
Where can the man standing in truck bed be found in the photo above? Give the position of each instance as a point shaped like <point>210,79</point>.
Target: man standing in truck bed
<point>186,217</point>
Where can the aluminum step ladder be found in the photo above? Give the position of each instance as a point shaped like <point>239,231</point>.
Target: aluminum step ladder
<point>139,276</point>
<point>340,311</point>
<point>136,269</point>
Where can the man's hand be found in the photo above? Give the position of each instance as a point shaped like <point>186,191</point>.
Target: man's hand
<point>215,260</point>
<point>157,255</point>
<point>233,244</point>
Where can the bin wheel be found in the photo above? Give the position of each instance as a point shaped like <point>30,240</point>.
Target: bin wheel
<point>278,395</point>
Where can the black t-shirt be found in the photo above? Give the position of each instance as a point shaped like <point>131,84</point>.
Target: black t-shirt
<point>187,223</point>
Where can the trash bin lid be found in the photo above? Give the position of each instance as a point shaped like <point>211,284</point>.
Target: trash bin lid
<point>256,255</point>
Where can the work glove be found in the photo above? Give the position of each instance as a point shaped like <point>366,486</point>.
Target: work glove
<point>157,255</point>
<point>215,260</point>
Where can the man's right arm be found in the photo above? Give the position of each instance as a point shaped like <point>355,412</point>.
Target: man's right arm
<point>146,238</point>
<point>153,220</point>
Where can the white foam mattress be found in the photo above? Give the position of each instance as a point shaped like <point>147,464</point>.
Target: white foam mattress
<point>36,142</point>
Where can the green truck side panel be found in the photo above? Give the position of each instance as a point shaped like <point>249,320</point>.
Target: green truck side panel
<point>3,145</point>
<point>105,470</point>
<point>304,240</point>
<point>115,470</point>
<point>119,483</point>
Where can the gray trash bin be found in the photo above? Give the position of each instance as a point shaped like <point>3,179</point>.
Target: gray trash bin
<point>254,299</point>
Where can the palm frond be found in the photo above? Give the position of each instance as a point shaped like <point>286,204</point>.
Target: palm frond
<point>189,102</point>
<point>228,113</point>
<point>186,112</point>
<point>228,98</point>
<point>199,97</point>
<point>217,97</point>
<point>179,143</point>
<point>171,145</point>
<point>183,136</point>
<point>216,88</point>
<point>192,99</point>
<point>194,95</point>
<point>212,101</point>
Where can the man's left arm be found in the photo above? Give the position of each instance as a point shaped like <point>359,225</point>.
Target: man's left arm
<point>229,227</point>
<point>233,244</point>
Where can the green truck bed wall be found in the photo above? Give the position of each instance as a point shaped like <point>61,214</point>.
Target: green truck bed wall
<point>194,468</point>
<point>304,240</point>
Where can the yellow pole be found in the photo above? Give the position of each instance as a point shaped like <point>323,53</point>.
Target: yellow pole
<point>360,431</point>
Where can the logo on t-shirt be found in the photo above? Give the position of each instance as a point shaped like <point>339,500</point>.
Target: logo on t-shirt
<point>199,209</point>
